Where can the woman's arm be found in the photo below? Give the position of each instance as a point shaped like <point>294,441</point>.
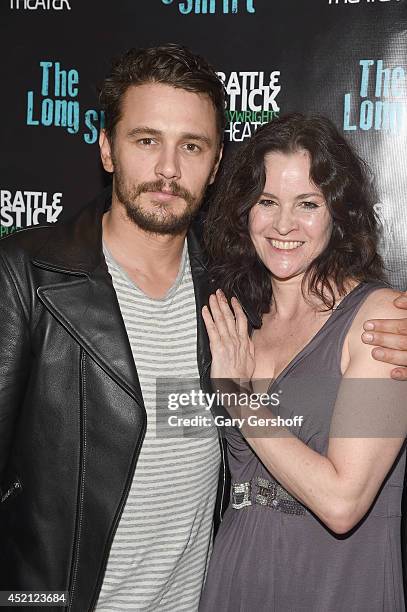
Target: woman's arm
<point>340,487</point>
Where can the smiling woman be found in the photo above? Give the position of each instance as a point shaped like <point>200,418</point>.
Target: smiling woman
<point>314,520</point>
<point>290,227</point>
<point>333,174</point>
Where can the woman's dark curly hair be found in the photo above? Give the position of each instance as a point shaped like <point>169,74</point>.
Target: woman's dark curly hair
<point>346,184</point>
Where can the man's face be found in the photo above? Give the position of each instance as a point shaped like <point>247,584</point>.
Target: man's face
<point>164,154</point>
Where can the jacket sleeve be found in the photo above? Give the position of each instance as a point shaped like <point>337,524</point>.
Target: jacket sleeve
<point>15,356</point>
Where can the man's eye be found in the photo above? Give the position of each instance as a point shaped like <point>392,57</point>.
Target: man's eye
<point>191,147</point>
<point>146,142</point>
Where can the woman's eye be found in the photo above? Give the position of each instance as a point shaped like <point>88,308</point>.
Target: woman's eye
<point>309,205</point>
<point>265,202</point>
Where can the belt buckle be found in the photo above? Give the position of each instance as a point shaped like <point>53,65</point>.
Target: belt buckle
<point>267,493</point>
<point>274,496</point>
<point>241,492</point>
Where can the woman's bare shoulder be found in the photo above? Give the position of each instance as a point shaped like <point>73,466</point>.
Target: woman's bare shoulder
<point>357,357</point>
<point>379,305</point>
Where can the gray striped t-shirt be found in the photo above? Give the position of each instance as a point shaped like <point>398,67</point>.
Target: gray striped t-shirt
<point>160,551</point>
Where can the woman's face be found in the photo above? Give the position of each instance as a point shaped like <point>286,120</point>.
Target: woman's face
<point>291,224</point>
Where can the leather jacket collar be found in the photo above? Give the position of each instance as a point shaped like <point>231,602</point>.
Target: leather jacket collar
<point>87,306</point>
<point>76,249</point>
<point>76,246</point>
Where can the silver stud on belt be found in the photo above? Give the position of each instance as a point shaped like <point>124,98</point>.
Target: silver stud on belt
<point>270,494</point>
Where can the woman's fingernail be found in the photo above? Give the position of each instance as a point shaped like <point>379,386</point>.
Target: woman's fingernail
<point>397,374</point>
<point>378,353</point>
<point>402,299</point>
<point>367,337</point>
<point>369,326</point>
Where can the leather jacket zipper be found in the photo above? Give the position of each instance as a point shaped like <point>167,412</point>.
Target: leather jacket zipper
<point>13,489</point>
<point>82,480</point>
<point>119,513</point>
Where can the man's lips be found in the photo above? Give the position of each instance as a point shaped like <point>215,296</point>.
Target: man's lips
<point>162,196</point>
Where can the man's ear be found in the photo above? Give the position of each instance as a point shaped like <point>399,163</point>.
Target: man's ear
<point>106,151</point>
<point>216,166</point>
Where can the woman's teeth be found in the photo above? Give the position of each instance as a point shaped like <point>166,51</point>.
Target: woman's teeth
<point>286,246</point>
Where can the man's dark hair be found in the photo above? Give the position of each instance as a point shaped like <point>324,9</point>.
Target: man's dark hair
<point>169,64</point>
<point>346,184</point>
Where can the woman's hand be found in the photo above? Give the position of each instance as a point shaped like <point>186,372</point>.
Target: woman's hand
<point>232,349</point>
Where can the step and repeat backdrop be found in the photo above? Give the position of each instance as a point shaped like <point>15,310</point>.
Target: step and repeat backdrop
<point>344,58</point>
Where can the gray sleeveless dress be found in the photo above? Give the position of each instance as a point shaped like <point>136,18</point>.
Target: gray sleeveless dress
<point>276,555</point>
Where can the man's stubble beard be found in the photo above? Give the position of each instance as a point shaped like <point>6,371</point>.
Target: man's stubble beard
<point>156,223</point>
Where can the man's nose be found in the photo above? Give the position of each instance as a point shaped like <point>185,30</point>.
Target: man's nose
<point>168,166</point>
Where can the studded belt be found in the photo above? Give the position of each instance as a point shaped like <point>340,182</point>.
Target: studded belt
<point>266,493</point>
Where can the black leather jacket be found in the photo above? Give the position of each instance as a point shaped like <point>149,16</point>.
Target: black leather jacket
<point>72,418</point>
